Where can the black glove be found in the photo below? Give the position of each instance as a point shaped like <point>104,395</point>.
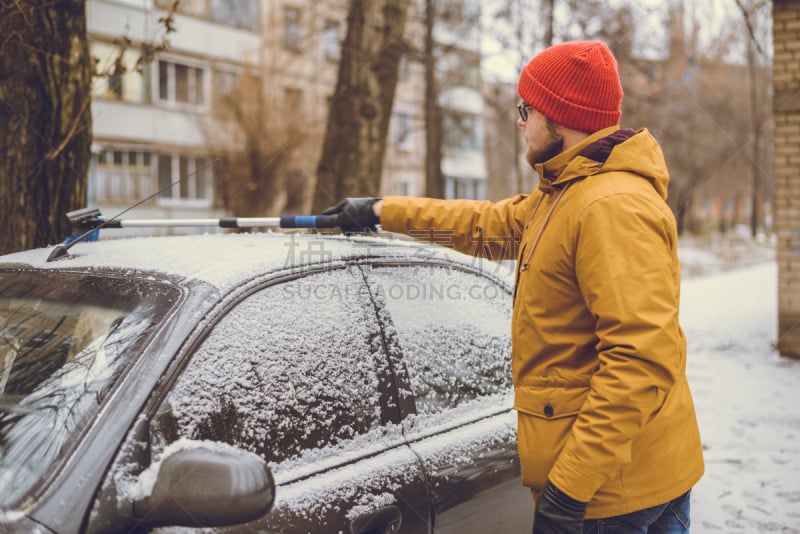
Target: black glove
<point>354,214</point>
<point>557,512</point>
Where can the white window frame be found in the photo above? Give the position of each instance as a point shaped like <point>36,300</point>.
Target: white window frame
<point>134,180</point>
<point>171,98</point>
<point>403,131</point>
<point>292,40</point>
<point>185,180</point>
<point>331,39</point>
<point>403,188</point>
<point>464,188</point>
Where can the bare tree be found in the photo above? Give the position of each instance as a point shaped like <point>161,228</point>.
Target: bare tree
<point>355,138</point>
<point>704,119</point>
<point>45,81</point>
<point>434,178</point>
<point>46,75</point>
<point>523,27</point>
<point>451,61</point>
<point>758,113</point>
<point>253,142</point>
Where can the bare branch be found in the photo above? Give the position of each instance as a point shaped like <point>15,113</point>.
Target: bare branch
<point>747,15</point>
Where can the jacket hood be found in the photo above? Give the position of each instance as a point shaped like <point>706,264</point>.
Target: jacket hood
<point>608,150</point>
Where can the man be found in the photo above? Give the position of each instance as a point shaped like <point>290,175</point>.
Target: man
<point>607,432</point>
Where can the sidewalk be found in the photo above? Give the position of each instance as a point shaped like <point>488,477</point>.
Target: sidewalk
<point>748,403</point>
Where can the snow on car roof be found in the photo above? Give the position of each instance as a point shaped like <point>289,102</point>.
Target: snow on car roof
<point>224,260</point>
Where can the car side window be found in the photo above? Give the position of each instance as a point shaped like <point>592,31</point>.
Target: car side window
<point>292,367</point>
<point>453,328</point>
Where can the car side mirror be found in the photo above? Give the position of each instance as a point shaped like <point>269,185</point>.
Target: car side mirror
<point>207,484</point>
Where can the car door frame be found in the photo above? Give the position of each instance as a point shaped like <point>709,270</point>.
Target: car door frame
<point>507,459</point>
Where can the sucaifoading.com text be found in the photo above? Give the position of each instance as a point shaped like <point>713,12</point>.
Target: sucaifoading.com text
<point>409,291</point>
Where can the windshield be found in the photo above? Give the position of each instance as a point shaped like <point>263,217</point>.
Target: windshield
<point>64,339</point>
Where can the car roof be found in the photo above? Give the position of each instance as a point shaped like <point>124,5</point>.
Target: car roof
<point>226,260</point>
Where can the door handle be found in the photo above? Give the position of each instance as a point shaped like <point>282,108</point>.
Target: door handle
<point>384,520</point>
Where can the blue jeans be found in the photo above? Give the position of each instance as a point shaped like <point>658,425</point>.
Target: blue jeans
<point>668,518</point>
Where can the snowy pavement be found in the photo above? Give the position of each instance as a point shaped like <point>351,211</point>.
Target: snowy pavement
<point>747,397</point>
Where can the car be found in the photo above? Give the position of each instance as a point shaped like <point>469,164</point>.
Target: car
<point>257,382</point>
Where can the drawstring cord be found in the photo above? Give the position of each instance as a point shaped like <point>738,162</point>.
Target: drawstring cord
<point>526,265</point>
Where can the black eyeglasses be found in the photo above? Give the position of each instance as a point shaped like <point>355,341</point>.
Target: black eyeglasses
<point>522,107</point>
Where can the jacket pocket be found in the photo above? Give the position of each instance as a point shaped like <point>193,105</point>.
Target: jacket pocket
<point>544,420</point>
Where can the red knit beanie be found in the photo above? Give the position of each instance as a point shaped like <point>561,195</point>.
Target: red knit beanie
<point>574,84</point>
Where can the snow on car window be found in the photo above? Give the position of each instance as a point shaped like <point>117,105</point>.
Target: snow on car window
<point>292,367</point>
<point>454,330</point>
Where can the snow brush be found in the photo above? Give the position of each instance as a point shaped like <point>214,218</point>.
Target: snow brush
<point>87,222</point>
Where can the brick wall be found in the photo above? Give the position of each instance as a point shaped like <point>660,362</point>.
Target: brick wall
<point>786,81</point>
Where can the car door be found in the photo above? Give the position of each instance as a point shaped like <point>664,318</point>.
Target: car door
<point>452,328</point>
<point>296,372</point>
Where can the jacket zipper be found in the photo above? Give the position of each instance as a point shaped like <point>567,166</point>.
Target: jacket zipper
<point>526,265</point>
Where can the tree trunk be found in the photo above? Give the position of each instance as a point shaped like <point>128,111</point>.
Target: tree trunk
<point>360,109</point>
<point>434,178</point>
<point>548,9</point>
<point>755,160</point>
<point>45,82</point>
<point>684,205</point>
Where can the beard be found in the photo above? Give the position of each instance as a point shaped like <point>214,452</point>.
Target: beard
<point>552,146</point>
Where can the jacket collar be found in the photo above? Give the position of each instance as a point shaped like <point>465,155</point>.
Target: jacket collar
<point>582,159</point>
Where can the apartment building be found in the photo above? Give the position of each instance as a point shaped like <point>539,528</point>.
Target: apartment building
<point>457,55</point>
<point>302,63</point>
<point>458,41</point>
<point>158,126</point>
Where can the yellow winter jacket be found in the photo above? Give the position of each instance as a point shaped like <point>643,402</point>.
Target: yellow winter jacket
<point>599,357</point>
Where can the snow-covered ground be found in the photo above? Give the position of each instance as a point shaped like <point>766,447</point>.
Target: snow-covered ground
<point>747,396</point>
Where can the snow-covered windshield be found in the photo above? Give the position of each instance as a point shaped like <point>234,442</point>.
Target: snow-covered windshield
<point>63,341</point>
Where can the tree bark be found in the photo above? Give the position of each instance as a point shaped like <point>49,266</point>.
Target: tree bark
<point>45,82</point>
<point>355,138</point>
<point>434,178</point>
<point>548,13</point>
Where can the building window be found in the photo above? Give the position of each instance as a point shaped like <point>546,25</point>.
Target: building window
<point>460,69</point>
<point>241,13</point>
<point>114,86</point>
<point>292,31</point>
<point>126,176</point>
<point>330,40</point>
<point>462,131</point>
<point>183,84</point>
<point>127,83</point>
<point>223,83</point>
<point>185,179</point>
<point>469,188</point>
<point>123,176</point>
<point>402,188</point>
<point>195,8</point>
<point>293,98</point>
<point>402,131</point>
<point>404,67</point>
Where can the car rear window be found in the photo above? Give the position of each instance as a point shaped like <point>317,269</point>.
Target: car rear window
<point>453,328</point>
<point>64,340</point>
